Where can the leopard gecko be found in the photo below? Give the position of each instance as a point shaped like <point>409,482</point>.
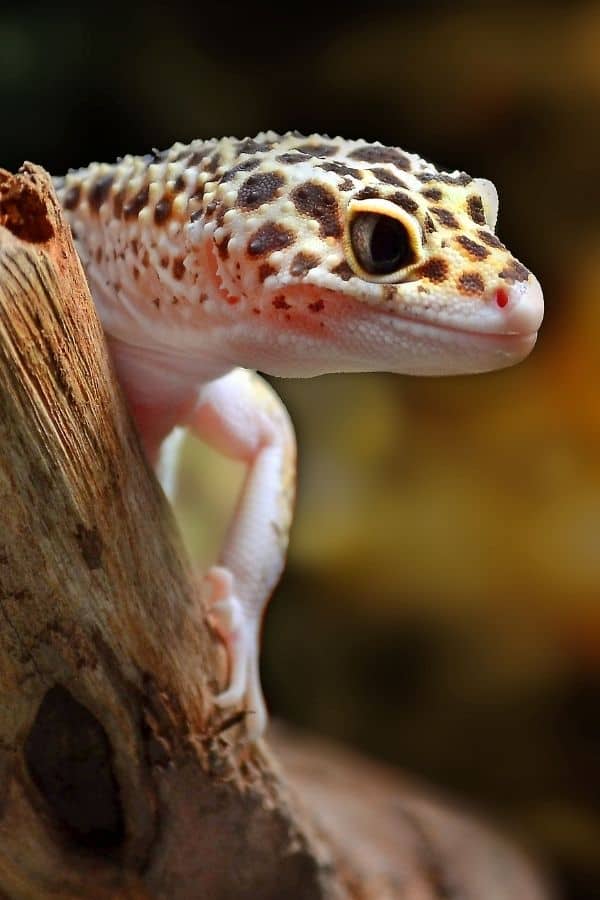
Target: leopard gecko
<point>294,256</point>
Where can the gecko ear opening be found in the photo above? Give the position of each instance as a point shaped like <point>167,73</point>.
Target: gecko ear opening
<point>489,198</point>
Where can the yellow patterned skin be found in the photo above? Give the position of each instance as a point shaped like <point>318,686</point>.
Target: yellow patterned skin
<point>257,232</point>
<point>294,256</point>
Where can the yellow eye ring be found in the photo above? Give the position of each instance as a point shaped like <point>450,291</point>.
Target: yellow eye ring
<point>381,240</point>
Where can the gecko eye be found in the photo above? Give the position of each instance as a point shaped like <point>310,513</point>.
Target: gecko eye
<point>381,239</point>
<point>381,244</point>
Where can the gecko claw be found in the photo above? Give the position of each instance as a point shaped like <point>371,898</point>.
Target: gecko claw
<point>239,633</point>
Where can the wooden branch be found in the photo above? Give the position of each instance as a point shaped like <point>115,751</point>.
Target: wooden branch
<point>117,777</point>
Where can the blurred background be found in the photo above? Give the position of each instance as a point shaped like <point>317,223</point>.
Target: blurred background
<point>441,606</point>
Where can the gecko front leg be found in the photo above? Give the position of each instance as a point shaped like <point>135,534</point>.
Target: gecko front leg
<point>242,417</point>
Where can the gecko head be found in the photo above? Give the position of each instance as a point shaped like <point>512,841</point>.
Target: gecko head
<point>367,258</point>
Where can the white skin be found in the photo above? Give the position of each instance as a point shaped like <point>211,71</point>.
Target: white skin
<point>239,415</point>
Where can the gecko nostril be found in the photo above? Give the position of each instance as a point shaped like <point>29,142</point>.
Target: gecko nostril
<point>502,297</point>
<point>521,306</point>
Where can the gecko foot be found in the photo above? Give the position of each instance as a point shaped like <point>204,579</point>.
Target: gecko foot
<point>240,635</point>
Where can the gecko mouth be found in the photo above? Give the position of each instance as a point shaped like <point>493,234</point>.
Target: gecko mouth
<point>483,336</point>
<point>417,346</point>
<point>451,328</point>
<point>512,315</point>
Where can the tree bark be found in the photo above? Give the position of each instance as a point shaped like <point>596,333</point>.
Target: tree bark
<point>118,778</point>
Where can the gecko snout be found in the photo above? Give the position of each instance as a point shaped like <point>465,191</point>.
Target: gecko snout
<point>522,306</point>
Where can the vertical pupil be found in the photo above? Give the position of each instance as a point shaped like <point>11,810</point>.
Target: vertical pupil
<point>381,244</point>
<point>389,242</point>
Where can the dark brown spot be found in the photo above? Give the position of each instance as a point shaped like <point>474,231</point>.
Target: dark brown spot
<point>266,269</point>
<point>406,202</point>
<point>433,194</point>
<point>178,268</point>
<point>317,149</point>
<point>388,177</point>
<point>259,188</point>
<point>136,273</point>
<point>471,283</point>
<point>346,184</point>
<point>248,145</point>
<point>243,166</point>
<point>303,263</point>
<point>164,261</point>
<point>343,271</point>
<point>516,271</point>
<point>197,215</point>
<point>197,156</point>
<point>475,209</point>
<point>134,206</point>
<point>291,158</point>
<point>373,154</point>
<point>198,193</point>
<point>100,191</point>
<point>320,203</point>
<point>156,302</point>
<point>429,224</point>
<point>280,302</point>
<point>179,184</point>
<point>268,238</point>
<point>444,216</point>
<point>461,178</point>
<point>223,246</point>
<point>491,240</point>
<point>317,306</point>
<point>98,254</point>
<point>435,270</point>
<point>475,250</point>
<point>118,203</point>
<point>145,258</point>
<point>368,193</point>
<point>340,169</point>
<point>213,163</point>
<point>72,196</point>
<point>162,210</point>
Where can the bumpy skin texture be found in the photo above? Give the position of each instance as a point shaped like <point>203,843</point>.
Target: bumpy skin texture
<point>292,255</point>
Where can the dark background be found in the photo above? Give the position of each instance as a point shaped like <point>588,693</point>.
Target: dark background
<point>441,608</point>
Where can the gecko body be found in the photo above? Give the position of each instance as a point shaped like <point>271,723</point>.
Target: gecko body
<point>294,256</point>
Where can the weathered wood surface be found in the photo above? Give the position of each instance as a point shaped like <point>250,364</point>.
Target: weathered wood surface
<point>117,777</point>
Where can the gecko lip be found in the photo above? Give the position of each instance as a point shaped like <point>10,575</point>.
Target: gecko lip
<point>500,338</point>
<point>519,321</point>
<point>438,348</point>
